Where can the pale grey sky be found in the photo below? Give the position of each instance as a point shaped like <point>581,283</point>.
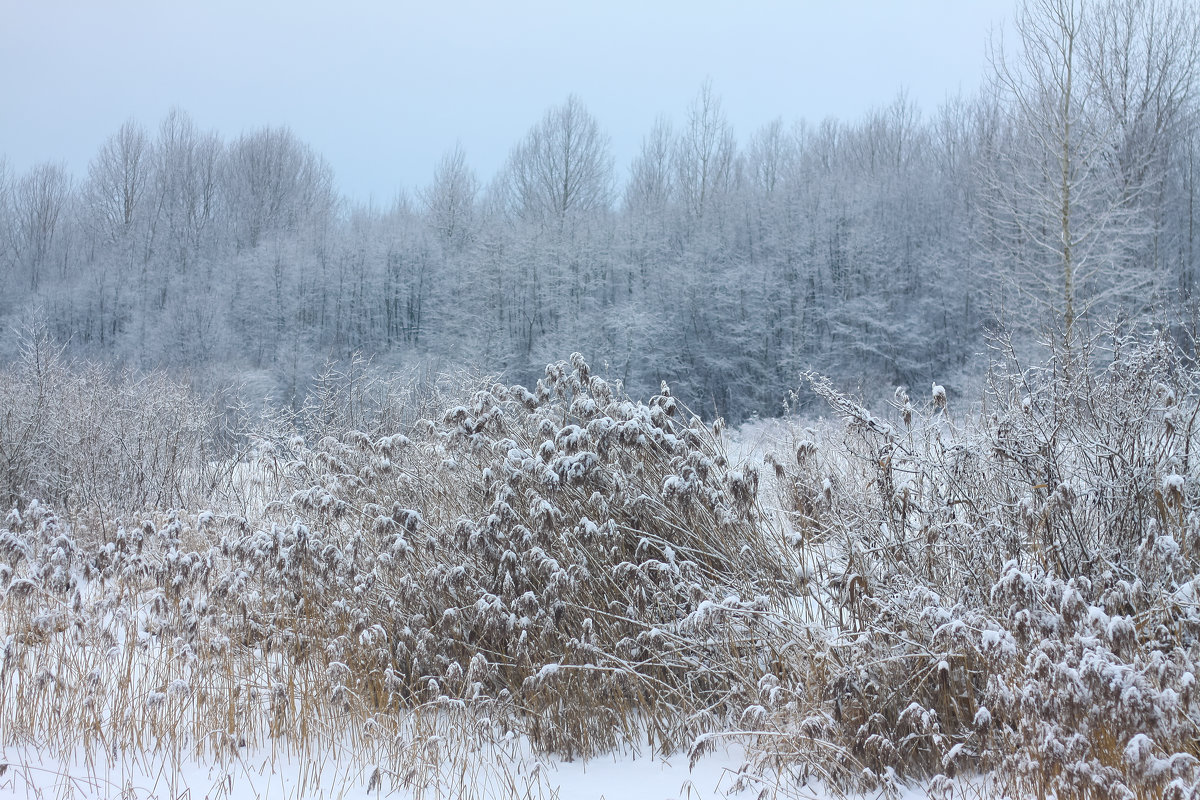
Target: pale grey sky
<point>382,89</point>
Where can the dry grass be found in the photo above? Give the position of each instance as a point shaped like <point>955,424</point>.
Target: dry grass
<point>1009,591</point>
<point>563,567</point>
<point>996,603</point>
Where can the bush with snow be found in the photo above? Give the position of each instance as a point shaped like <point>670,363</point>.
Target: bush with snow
<point>564,564</point>
<point>1010,591</point>
<point>1005,600</point>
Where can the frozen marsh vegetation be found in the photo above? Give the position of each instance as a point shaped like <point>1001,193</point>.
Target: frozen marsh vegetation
<point>484,590</point>
<point>556,584</point>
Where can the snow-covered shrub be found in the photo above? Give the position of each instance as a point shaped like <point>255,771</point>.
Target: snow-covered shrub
<point>567,563</point>
<point>1009,590</point>
<point>120,652</point>
<point>84,439</point>
<point>593,560</point>
<point>356,395</point>
<point>935,593</point>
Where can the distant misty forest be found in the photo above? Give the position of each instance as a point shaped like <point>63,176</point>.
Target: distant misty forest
<point>880,250</point>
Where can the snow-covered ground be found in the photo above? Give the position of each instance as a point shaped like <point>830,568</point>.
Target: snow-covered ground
<point>259,776</point>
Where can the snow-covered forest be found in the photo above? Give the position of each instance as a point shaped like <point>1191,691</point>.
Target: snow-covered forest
<point>877,250</point>
<point>432,499</point>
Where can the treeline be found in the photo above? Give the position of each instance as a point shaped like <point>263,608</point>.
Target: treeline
<point>879,249</point>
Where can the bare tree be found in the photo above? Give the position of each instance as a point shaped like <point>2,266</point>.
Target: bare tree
<point>562,170</point>
<point>274,183</point>
<point>770,157</point>
<point>650,181</point>
<point>1043,193</point>
<point>185,196</point>
<point>704,153</point>
<point>1094,89</point>
<point>1142,63</point>
<point>39,201</point>
<point>7,255</point>
<point>117,182</point>
<point>449,202</point>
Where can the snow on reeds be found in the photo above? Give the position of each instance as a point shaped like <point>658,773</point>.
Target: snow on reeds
<point>994,602</point>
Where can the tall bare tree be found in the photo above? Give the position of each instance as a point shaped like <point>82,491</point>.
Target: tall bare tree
<point>449,201</point>
<point>1143,60</point>
<point>649,188</point>
<point>1093,88</point>
<point>562,170</point>
<point>38,203</point>
<point>118,177</point>
<point>275,183</point>
<point>185,195</point>
<point>704,153</point>
<point>7,254</point>
<point>1043,196</point>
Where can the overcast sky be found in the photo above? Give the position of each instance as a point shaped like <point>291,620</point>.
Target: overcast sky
<point>382,89</point>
